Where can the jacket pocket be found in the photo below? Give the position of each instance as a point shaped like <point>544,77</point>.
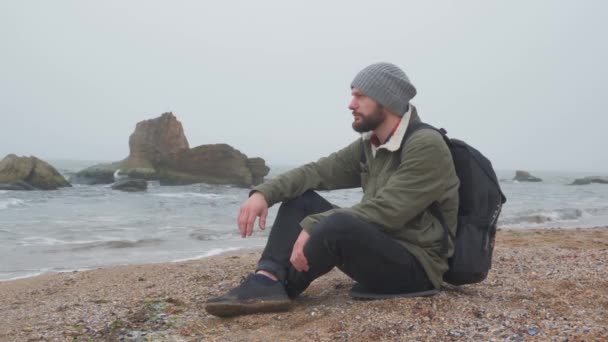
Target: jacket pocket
<point>425,230</point>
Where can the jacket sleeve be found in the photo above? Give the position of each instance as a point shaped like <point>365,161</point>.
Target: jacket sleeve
<point>340,170</point>
<point>418,181</point>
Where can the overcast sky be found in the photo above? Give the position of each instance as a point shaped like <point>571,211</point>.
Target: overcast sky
<point>523,81</point>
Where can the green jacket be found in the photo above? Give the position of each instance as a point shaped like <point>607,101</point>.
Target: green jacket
<point>398,187</point>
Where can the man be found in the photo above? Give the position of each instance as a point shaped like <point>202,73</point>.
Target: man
<point>389,243</point>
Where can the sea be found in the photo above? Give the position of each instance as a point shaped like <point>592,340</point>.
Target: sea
<point>92,226</point>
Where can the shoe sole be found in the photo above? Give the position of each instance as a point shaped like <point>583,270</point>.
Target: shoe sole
<point>372,295</point>
<point>243,308</point>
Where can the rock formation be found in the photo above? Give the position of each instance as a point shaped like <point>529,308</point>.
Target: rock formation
<point>589,180</point>
<point>20,185</point>
<point>525,176</point>
<point>155,141</point>
<point>217,164</point>
<point>131,185</point>
<point>29,173</point>
<point>159,150</point>
<point>258,169</point>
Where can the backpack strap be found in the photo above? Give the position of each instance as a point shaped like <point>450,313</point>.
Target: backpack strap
<point>436,211</point>
<point>434,208</point>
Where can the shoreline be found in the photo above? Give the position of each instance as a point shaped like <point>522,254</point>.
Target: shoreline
<point>220,251</point>
<point>545,284</point>
<point>210,253</point>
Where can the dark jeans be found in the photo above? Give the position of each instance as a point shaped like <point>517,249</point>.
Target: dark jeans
<point>356,247</point>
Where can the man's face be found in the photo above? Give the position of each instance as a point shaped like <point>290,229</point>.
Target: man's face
<point>368,114</point>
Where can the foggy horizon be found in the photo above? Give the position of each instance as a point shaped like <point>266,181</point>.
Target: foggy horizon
<point>524,83</point>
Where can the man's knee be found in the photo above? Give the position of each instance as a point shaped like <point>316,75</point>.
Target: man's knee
<point>302,202</point>
<point>336,226</point>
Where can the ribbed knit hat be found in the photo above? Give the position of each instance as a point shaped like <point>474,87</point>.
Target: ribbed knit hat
<point>387,85</point>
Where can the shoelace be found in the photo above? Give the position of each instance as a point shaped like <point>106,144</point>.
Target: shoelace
<point>246,278</point>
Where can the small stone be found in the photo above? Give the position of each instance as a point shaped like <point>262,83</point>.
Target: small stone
<point>456,333</point>
<point>533,331</point>
<point>518,338</point>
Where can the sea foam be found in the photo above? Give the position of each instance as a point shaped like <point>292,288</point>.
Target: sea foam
<point>10,202</point>
<point>209,253</point>
<point>189,195</point>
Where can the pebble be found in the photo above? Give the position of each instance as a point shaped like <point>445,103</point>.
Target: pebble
<point>456,333</point>
<point>533,331</point>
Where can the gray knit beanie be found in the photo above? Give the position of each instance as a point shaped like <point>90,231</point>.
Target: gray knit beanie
<point>387,85</point>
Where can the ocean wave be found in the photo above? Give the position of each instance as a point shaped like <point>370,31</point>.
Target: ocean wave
<point>597,211</point>
<point>23,274</point>
<point>117,244</point>
<point>10,202</point>
<point>77,245</point>
<point>9,276</point>
<point>540,217</point>
<point>212,252</point>
<point>205,235</point>
<point>190,195</point>
<point>49,241</point>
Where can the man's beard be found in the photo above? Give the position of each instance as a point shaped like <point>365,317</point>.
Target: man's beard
<point>370,122</point>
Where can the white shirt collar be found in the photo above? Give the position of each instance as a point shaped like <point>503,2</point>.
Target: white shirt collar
<point>394,142</point>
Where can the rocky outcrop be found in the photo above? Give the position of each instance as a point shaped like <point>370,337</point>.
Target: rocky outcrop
<point>216,164</point>
<point>159,150</point>
<point>154,141</point>
<point>96,174</point>
<point>258,169</point>
<point>20,185</point>
<point>525,176</point>
<point>589,180</point>
<point>104,173</point>
<point>131,185</point>
<point>29,173</point>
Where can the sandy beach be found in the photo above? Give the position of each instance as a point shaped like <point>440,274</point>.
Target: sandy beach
<point>544,285</point>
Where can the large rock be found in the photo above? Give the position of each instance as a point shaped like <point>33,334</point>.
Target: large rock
<point>104,173</point>
<point>159,150</point>
<point>131,185</point>
<point>20,185</point>
<point>525,176</point>
<point>258,169</point>
<point>155,141</point>
<point>17,173</point>
<point>96,174</point>
<point>589,180</point>
<point>216,164</point>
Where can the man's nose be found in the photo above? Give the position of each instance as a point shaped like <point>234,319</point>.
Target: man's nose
<point>352,105</point>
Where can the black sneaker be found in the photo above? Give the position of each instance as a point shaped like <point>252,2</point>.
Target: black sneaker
<point>250,297</point>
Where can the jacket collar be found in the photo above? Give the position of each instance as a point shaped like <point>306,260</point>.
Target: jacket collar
<point>394,142</point>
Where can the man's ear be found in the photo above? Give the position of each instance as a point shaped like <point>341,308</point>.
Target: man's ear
<point>386,112</point>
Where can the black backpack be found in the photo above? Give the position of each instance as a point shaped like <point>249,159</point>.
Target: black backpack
<point>480,203</point>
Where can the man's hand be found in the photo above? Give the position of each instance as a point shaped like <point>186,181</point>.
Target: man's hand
<point>298,259</point>
<point>255,206</point>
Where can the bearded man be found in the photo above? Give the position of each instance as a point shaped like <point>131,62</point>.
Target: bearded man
<point>390,243</point>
